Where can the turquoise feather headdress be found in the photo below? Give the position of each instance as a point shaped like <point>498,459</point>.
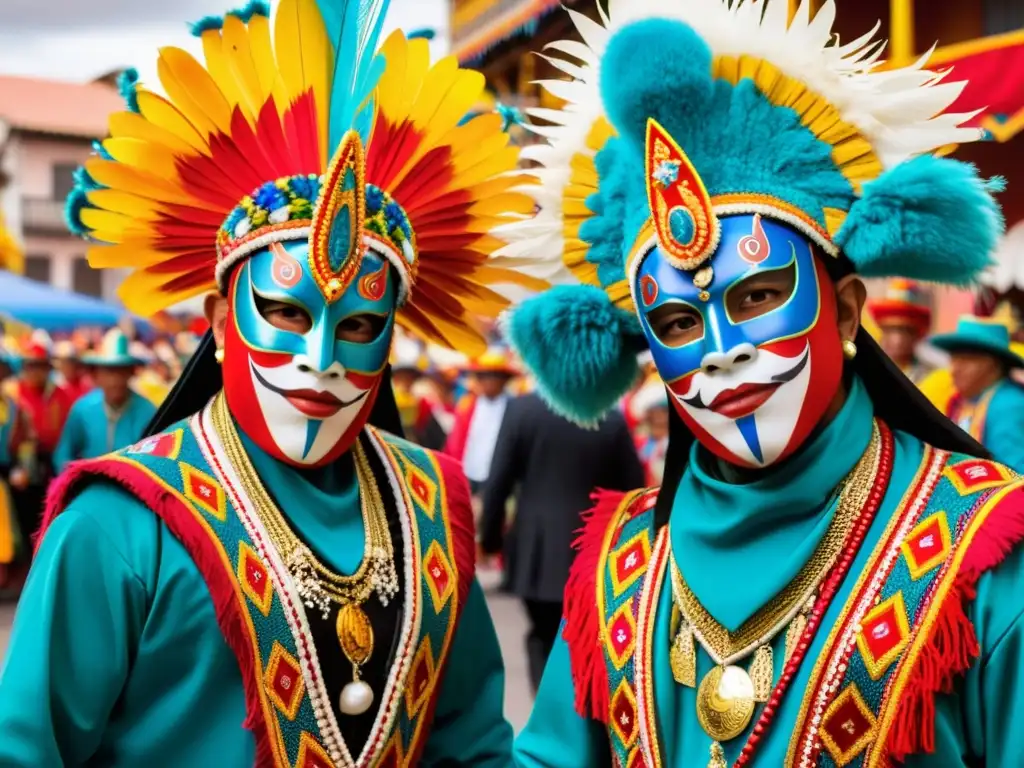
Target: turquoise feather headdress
<point>764,114</point>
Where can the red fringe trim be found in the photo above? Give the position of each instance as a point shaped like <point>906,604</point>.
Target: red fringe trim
<point>179,519</point>
<point>582,628</point>
<point>953,645</point>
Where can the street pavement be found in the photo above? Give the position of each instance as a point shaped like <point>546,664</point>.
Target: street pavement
<point>508,619</point>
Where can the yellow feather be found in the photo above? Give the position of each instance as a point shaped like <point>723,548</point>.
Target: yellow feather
<point>476,130</point>
<point>433,91</point>
<point>121,256</point>
<point>130,125</point>
<point>499,162</point>
<point>143,292</point>
<point>305,57</point>
<point>168,117</point>
<point>124,177</point>
<point>502,205</point>
<point>217,65</point>
<point>125,203</point>
<point>239,56</point>
<point>389,91</point>
<point>455,102</point>
<point>264,61</point>
<point>140,154</point>
<point>111,227</point>
<point>193,91</point>
<point>469,155</point>
<point>417,66</point>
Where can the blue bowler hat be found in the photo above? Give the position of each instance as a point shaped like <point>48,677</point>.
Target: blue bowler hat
<point>113,352</point>
<point>975,334</point>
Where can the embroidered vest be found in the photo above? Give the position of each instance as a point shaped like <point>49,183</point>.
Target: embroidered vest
<point>185,477</point>
<point>902,637</point>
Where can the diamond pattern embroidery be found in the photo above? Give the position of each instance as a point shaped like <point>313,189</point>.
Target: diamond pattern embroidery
<point>393,756</point>
<point>283,682</point>
<point>635,759</point>
<point>884,633</point>
<point>629,562</point>
<point>166,446</point>
<point>204,491</point>
<point>254,579</point>
<point>311,754</point>
<point>420,677</point>
<point>847,727</point>
<point>622,635</point>
<point>623,714</point>
<point>927,545</point>
<point>440,579</point>
<point>976,475</point>
<point>422,488</point>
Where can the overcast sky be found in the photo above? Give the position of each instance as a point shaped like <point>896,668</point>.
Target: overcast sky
<point>81,39</point>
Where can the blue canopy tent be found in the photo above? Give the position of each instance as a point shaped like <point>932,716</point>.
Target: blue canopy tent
<point>43,306</point>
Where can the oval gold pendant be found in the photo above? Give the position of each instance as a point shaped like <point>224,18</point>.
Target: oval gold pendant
<point>355,633</point>
<point>725,702</point>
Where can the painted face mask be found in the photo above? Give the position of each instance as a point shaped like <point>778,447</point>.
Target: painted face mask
<point>304,396</point>
<point>748,344</point>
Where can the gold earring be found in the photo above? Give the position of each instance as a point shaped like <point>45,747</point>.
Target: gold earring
<point>849,349</point>
<point>219,356</point>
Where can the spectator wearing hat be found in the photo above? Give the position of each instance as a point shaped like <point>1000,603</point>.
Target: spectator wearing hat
<point>113,415</point>
<point>408,362</point>
<point>479,415</point>
<point>46,405</point>
<point>988,403</point>
<point>72,374</point>
<point>904,318</point>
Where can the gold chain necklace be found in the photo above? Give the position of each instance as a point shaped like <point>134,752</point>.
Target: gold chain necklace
<point>728,694</point>
<point>317,585</point>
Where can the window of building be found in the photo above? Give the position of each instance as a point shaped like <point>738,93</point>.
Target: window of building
<point>87,280</point>
<point>37,267</point>
<point>63,179</point>
<point>1002,16</point>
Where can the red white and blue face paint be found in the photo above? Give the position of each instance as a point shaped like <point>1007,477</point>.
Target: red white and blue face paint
<point>751,388</point>
<point>303,398</point>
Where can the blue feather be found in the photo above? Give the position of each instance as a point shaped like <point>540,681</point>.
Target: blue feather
<point>253,8</point>
<point>422,34</point>
<point>205,24</point>
<point>580,347</point>
<point>929,218</point>
<point>354,26</point>
<point>127,82</point>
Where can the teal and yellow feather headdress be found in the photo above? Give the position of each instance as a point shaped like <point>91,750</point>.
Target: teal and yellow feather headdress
<point>681,111</point>
<point>300,128</point>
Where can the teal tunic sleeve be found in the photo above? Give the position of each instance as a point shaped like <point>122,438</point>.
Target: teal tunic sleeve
<point>1004,426</point>
<point>469,727</point>
<point>72,438</point>
<point>556,736</point>
<point>76,626</point>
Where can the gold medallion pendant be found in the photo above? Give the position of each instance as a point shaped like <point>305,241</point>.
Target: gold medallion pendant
<point>725,702</point>
<point>355,635</point>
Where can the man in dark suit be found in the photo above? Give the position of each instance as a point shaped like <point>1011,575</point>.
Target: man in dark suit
<point>556,465</point>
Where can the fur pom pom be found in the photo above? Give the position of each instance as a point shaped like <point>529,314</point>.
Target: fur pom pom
<point>640,59</point>
<point>929,218</point>
<point>581,348</point>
